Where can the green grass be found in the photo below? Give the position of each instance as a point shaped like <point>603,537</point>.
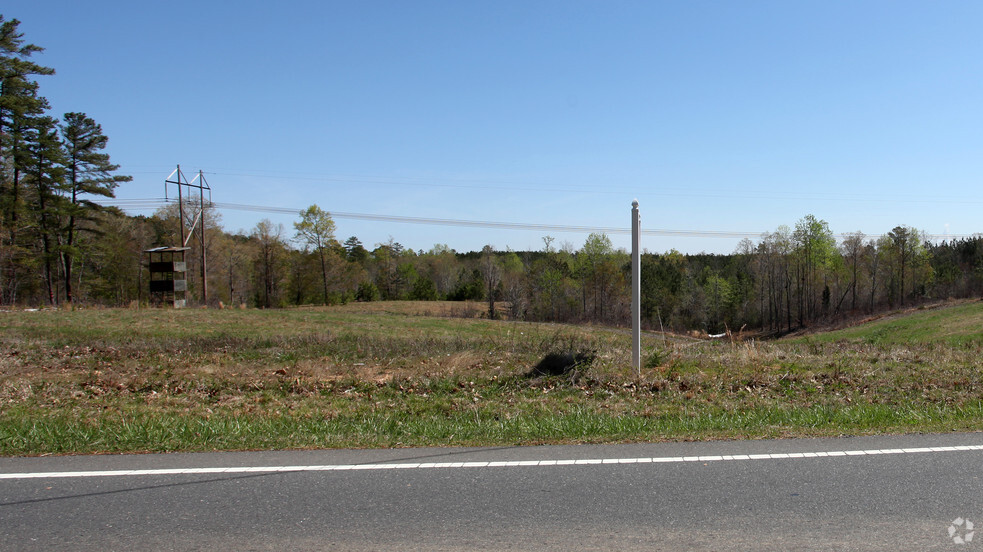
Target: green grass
<point>389,375</point>
<point>957,326</point>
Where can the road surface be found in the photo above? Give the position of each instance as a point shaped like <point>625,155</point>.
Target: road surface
<point>868,493</point>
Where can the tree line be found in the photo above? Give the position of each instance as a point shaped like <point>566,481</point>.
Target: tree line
<point>798,276</point>
<point>787,279</point>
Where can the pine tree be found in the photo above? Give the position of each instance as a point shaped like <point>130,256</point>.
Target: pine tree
<point>19,104</point>
<point>46,177</point>
<point>88,173</point>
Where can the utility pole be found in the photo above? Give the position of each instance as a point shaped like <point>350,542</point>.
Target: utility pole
<point>180,201</point>
<point>636,289</point>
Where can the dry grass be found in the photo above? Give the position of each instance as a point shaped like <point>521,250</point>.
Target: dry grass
<point>392,375</point>
<point>452,309</point>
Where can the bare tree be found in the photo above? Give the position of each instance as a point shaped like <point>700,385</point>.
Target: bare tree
<point>852,250</point>
<point>269,261</point>
<point>905,244</point>
<point>491,272</point>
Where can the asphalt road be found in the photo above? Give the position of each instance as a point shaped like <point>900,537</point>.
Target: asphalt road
<point>804,495</point>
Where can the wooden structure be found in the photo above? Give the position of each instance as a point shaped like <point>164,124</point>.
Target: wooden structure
<point>168,276</point>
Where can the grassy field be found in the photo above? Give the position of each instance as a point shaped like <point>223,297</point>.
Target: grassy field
<point>957,325</point>
<point>423,374</point>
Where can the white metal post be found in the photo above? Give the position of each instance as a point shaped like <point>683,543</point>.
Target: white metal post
<point>636,288</point>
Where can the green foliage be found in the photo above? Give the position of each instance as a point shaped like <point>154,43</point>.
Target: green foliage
<point>88,172</point>
<point>717,291</point>
<point>470,287</point>
<point>662,282</point>
<point>656,358</point>
<point>424,290</point>
<point>46,178</point>
<point>367,291</point>
<point>315,229</point>
<point>354,250</point>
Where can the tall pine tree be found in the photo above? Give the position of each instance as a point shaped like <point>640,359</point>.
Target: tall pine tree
<point>88,173</point>
<point>19,105</point>
<point>46,177</point>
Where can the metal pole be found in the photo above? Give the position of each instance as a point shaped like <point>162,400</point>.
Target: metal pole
<point>180,204</point>
<point>636,289</point>
<point>201,199</point>
<point>140,280</point>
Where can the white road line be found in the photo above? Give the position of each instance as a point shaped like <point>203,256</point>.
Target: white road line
<point>492,464</point>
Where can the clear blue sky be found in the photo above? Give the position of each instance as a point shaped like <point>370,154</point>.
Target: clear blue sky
<point>716,116</point>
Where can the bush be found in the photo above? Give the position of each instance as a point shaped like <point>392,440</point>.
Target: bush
<point>656,358</point>
<point>468,291</point>
<point>424,290</point>
<point>367,291</point>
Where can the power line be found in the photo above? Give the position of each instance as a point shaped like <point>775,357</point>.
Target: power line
<point>667,191</point>
<point>135,204</point>
<point>493,224</point>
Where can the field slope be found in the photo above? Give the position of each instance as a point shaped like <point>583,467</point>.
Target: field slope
<point>958,325</point>
<point>409,374</point>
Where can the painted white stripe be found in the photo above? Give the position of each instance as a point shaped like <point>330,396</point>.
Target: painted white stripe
<point>494,464</point>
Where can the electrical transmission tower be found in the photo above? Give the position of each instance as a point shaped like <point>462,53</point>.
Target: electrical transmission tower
<point>186,201</point>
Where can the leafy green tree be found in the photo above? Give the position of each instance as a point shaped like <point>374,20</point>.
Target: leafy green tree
<point>717,291</point>
<point>407,279</point>
<point>316,229</point>
<point>603,285</point>
<point>88,172</point>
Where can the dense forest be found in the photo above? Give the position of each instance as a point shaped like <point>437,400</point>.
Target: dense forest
<point>59,246</point>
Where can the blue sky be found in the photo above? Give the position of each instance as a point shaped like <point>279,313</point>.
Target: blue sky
<point>716,116</point>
